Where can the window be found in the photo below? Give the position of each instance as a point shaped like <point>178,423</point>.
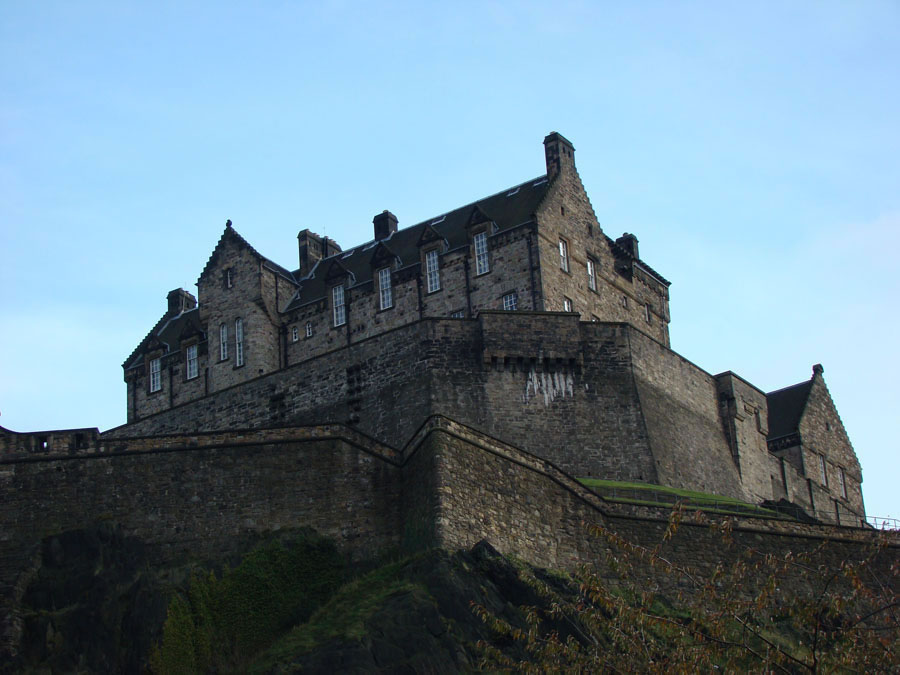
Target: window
<point>481,254</point>
<point>647,312</point>
<point>308,329</point>
<point>432,273</point>
<point>842,482</point>
<point>458,314</point>
<point>155,381</point>
<point>295,334</point>
<point>190,363</point>
<point>238,342</point>
<point>564,255</point>
<point>592,275</point>
<point>337,304</point>
<point>822,474</point>
<point>511,301</point>
<point>625,301</point>
<point>229,281</point>
<point>223,342</point>
<point>384,288</point>
<point>567,305</point>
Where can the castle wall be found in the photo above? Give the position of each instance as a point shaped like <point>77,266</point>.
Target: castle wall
<point>529,509</point>
<point>196,503</point>
<point>598,399</point>
<point>679,405</point>
<point>744,414</point>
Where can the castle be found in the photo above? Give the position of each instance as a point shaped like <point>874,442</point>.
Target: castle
<point>540,330</point>
<point>435,386</point>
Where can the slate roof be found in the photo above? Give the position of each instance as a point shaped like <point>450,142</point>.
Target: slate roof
<point>786,407</point>
<point>168,331</point>
<point>507,209</point>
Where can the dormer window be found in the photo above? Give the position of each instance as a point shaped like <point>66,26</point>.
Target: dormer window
<point>337,304</point>
<point>190,362</point>
<point>155,375</point>
<point>482,265</point>
<point>432,272</point>
<point>386,300</point>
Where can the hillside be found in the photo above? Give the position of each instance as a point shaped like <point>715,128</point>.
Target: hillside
<point>292,603</point>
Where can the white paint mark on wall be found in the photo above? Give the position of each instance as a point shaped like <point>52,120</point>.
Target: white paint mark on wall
<point>549,385</point>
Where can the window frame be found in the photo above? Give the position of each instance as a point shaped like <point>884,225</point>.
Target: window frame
<point>511,301</point>
<point>295,334</point>
<point>238,342</point>
<point>564,255</point>
<point>223,342</point>
<point>591,266</point>
<point>647,313</point>
<point>338,306</point>
<point>191,362</point>
<point>823,474</point>
<point>385,290</point>
<point>309,329</point>
<point>155,380</point>
<point>482,253</point>
<point>568,305</point>
<point>432,271</point>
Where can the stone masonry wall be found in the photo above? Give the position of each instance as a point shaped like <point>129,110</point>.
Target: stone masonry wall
<point>824,435</point>
<point>566,213</point>
<point>744,414</point>
<point>679,405</point>
<point>528,508</point>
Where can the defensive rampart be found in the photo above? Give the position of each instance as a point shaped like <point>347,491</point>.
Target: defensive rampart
<point>192,496</point>
<point>597,399</point>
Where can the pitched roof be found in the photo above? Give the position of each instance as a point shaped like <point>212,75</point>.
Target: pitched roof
<point>786,407</point>
<point>168,332</point>
<point>506,209</point>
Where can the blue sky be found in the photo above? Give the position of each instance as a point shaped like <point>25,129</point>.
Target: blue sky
<point>752,148</point>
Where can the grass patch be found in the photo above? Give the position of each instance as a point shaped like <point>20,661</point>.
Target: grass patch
<point>343,617</point>
<point>648,494</point>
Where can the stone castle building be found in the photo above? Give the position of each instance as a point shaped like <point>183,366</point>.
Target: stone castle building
<point>516,315</point>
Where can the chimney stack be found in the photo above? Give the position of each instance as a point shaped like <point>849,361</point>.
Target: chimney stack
<point>385,224</point>
<point>180,301</point>
<point>630,243</point>
<point>313,248</point>
<point>559,153</point>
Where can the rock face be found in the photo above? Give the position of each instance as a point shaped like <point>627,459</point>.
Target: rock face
<point>431,628</point>
<point>93,604</point>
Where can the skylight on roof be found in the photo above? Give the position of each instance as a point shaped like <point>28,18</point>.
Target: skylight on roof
<point>348,254</point>
<point>439,220</point>
<point>540,182</point>
<point>512,192</point>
